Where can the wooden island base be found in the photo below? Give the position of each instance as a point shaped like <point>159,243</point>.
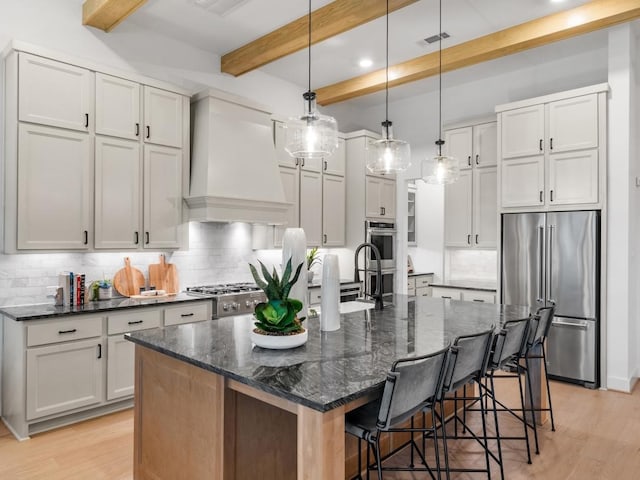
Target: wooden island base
<point>193,424</point>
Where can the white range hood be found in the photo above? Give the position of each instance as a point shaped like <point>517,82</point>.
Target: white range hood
<point>234,171</point>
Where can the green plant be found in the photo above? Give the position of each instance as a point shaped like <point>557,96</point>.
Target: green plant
<point>279,314</point>
<point>96,284</point>
<point>313,257</point>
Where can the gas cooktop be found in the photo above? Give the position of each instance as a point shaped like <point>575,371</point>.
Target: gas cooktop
<point>231,298</point>
<point>224,288</point>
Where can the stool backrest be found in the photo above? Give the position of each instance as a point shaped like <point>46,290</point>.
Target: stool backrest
<point>469,358</point>
<point>542,323</point>
<point>412,384</point>
<point>510,342</point>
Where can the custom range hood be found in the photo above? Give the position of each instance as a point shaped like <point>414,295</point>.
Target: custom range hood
<point>234,171</point>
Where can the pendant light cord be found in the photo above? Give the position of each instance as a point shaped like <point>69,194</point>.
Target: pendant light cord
<point>440,142</point>
<point>386,115</point>
<point>309,49</point>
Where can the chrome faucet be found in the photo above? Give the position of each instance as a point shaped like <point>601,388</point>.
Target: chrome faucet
<point>356,277</point>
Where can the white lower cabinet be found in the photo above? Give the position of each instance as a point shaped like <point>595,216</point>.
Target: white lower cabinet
<point>450,293</point>
<point>120,367</point>
<point>63,377</point>
<point>480,296</point>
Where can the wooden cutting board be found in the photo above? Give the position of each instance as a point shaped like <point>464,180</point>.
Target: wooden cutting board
<point>128,280</point>
<point>164,276</point>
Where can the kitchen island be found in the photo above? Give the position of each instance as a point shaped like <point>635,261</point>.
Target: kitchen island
<point>210,405</point>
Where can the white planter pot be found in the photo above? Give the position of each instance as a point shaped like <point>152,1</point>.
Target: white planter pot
<point>279,342</point>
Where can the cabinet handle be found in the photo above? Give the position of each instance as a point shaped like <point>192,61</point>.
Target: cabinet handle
<point>477,159</point>
<point>478,300</point>
<point>540,146</point>
<point>146,238</point>
<point>99,350</point>
<point>136,322</point>
<point>469,239</point>
<point>137,237</point>
<point>137,129</point>
<point>541,193</point>
<point>186,314</point>
<point>325,238</point>
<point>551,144</point>
<point>469,160</point>
<point>297,162</point>
<point>476,238</point>
<point>62,332</point>
<point>551,195</point>
<point>449,298</point>
<point>384,211</point>
<point>86,120</point>
<point>148,131</point>
<point>86,237</point>
<point>325,165</point>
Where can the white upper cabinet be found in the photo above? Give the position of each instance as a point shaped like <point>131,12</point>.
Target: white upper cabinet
<point>333,210</point>
<point>380,198</point>
<point>471,202</point>
<point>54,194</point>
<point>117,193</point>
<point>290,178</point>
<point>162,117</point>
<point>311,206</point>
<point>564,167</point>
<point>117,107</point>
<point>280,140</point>
<point>55,93</point>
<point>162,196</point>
<point>336,163</point>
<point>523,132</point>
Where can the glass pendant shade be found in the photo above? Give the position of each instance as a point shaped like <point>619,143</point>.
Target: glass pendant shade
<point>440,170</point>
<point>311,135</point>
<point>388,155</point>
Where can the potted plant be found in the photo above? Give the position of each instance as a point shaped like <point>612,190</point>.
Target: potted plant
<point>277,324</point>
<point>313,258</point>
<point>101,289</point>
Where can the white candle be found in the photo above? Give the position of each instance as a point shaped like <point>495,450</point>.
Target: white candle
<point>294,247</point>
<point>330,301</point>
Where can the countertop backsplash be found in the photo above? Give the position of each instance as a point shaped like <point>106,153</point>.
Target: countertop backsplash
<point>471,265</point>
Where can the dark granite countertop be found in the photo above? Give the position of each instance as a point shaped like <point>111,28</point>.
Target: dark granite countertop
<point>47,310</point>
<point>417,274</point>
<point>332,368</point>
<point>464,285</point>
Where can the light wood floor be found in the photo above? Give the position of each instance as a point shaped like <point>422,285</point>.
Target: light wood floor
<point>597,437</point>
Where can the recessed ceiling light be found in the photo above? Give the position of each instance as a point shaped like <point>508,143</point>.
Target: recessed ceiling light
<point>365,63</point>
<point>557,1</point>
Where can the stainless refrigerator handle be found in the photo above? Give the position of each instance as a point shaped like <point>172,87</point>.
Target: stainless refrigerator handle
<point>540,298</point>
<point>550,267</point>
<point>580,324</point>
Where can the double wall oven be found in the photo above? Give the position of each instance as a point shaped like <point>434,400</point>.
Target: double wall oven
<point>383,236</point>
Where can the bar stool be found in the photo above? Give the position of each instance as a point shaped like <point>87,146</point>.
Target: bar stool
<point>412,386</point>
<point>468,363</point>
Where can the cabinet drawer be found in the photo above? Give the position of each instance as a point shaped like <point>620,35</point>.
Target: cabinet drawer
<point>423,280</point>
<point>192,312</point>
<point>138,319</point>
<point>423,291</point>
<point>482,297</point>
<point>64,330</point>
<point>446,293</point>
<point>411,290</point>
<point>315,295</point>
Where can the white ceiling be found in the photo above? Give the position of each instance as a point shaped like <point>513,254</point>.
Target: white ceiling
<point>337,58</point>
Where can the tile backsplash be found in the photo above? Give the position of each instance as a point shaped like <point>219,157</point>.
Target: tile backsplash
<point>471,265</point>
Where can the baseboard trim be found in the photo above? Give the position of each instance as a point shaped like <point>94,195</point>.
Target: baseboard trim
<point>621,384</point>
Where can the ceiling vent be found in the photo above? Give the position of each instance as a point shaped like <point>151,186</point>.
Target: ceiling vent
<point>219,7</point>
<point>436,37</point>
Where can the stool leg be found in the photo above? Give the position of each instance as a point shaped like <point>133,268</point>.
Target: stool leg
<point>531,406</point>
<point>411,462</point>
<point>524,417</point>
<point>546,377</point>
<point>434,429</point>
<point>495,419</point>
<point>376,453</point>
<point>359,476</point>
<point>444,441</point>
<point>484,435</point>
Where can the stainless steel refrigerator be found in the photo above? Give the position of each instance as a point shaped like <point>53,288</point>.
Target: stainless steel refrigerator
<point>553,259</point>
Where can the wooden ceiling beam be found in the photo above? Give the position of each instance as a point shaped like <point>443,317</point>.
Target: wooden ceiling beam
<point>107,14</point>
<point>332,19</point>
<point>586,18</point>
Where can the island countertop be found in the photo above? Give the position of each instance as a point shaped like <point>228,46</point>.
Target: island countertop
<point>332,368</point>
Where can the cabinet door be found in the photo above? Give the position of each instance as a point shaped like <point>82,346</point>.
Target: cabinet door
<point>373,193</point>
<point>117,107</point>
<point>311,207</point>
<point>120,367</point>
<point>457,211</point>
<point>333,210</point>
<point>388,199</point>
<point>63,377</point>
<point>573,177</point>
<point>162,196</point>
<point>523,132</point>
<point>54,194</point>
<point>522,182</point>
<point>336,163</point>
<point>485,206</point>
<point>290,178</point>
<point>117,193</point>
<point>478,296</point>
<point>458,143</point>
<point>485,148</point>
<point>573,123</point>
<point>162,117</point>
<point>280,140</point>
<point>54,93</point>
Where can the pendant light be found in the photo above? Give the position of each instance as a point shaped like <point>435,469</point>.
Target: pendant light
<point>440,169</point>
<point>388,155</point>
<point>311,135</point>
